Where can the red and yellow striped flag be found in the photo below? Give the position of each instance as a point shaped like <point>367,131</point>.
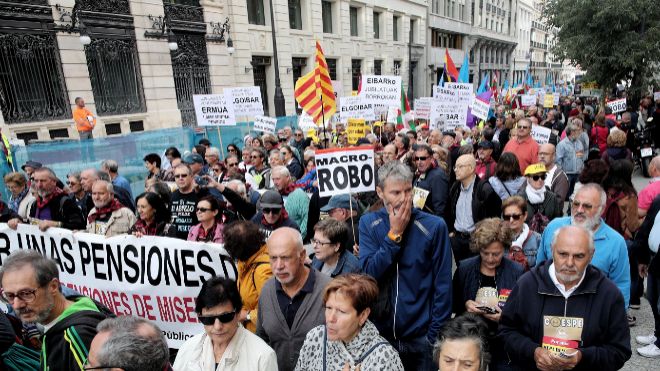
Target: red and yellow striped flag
<point>314,90</point>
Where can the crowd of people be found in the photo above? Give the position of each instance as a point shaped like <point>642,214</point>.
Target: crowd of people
<point>521,255</point>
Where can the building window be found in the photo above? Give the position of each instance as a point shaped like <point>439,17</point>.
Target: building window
<point>356,73</point>
<point>440,39</point>
<point>413,27</point>
<point>326,14</point>
<point>332,68</point>
<point>31,81</point>
<point>256,12</point>
<point>354,21</point>
<point>295,15</point>
<point>395,27</point>
<point>378,67</point>
<point>376,25</point>
<point>114,71</point>
<point>259,74</point>
<point>397,68</point>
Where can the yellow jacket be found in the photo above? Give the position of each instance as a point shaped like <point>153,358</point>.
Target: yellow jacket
<point>252,275</point>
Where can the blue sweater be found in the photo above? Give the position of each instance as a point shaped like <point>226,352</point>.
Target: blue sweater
<point>611,255</point>
<point>419,271</point>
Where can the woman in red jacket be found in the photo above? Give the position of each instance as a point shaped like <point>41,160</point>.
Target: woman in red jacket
<point>599,133</point>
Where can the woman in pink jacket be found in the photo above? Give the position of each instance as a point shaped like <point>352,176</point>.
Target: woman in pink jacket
<point>211,222</point>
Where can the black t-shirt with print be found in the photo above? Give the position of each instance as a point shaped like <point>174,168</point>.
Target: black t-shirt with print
<point>182,208</point>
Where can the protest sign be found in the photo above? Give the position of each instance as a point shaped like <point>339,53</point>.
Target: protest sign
<point>541,134</point>
<point>463,91</point>
<point>381,90</point>
<point>423,107</point>
<point>419,197</point>
<point>212,110</point>
<point>447,116</point>
<point>527,100</point>
<point>445,95</point>
<point>306,122</point>
<point>356,108</point>
<point>656,96</point>
<point>265,124</point>
<point>157,278</point>
<point>355,130</point>
<point>618,105</point>
<point>246,100</point>
<point>392,114</point>
<point>548,101</point>
<point>555,98</point>
<point>480,109</point>
<point>345,170</point>
<point>338,89</point>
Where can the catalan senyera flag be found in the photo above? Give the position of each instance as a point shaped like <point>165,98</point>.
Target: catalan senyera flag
<point>314,90</point>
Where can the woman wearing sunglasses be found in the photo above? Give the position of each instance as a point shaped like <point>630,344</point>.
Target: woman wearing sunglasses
<point>514,213</point>
<point>210,220</point>
<point>543,205</point>
<point>225,344</point>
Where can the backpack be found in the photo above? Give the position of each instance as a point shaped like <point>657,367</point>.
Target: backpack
<point>539,221</point>
<point>23,355</point>
<point>612,214</point>
<point>516,254</point>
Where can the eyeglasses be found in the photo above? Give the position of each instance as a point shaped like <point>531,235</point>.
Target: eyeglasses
<point>234,164</point>
<point>523,127</point>
<point>536,177</point>
<point>72,183</point>
<point>223,318</point>
<point>299,134</point>
<point>271,210</point>
<point>460,166</point>
<point>27,296</point>
<point>576,205</point>
<point>202,209</point>
<point>217,169</point>
<point>515,217</point>
<point>423,158</point>
<point>320,243</point>
<point>255,156</point>
<point>179,176</point>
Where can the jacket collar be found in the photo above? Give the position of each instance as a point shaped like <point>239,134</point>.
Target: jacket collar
<point>589,284</point>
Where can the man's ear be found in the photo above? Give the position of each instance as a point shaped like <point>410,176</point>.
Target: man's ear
<point>379,192</point>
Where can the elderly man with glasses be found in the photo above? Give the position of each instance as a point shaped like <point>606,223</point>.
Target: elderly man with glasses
<point>611,254</point>
<point>31,285</point>
<point>523,146</point>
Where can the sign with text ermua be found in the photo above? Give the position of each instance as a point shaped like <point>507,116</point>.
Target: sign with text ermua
<point>157,278</point>
<point>345,170</point>
<point>265,124</point>
<point>381,90</point>
<point>246,100</point>
<point>618,105</point>
<point>212,110</point>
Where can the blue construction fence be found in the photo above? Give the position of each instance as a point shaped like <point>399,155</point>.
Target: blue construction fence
<point>67,156</point>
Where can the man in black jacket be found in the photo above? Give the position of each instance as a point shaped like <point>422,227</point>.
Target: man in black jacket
<point>432,179</point>
<point>30,283</point>
<point>470,200</point>
<point>53,207</point>
<point>565,314</point>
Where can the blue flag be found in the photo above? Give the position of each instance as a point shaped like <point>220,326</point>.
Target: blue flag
<point>464,74</point>
<point>484,85</point>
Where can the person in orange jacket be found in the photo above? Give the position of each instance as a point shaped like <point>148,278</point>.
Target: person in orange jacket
<point>84,119</point>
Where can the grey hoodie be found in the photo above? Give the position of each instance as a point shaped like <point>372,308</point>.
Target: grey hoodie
<point>508,188</point>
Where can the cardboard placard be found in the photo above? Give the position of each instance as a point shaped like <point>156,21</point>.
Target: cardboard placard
<point>548,101</point>
<point>212,110</point>
<point>246,100</point>
<point>345,170</point>
<point>392,114</point>
<point>541,134</point>
<point>527,100</point>
<point>480,109</point>
<point>423,107</point>
<point>356,129</point>
<point>265,124</point>
<point>381,90</point>
<point>555,98</point>
<point>618,105</point>
<point>356,108</point>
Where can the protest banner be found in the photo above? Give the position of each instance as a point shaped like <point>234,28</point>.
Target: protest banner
<point>480,109</point>
<point>246,100</point>
<point>356,129</point>
<point>423,107</point>
<point>527,100</point>
<point>265,124</point>
<point>355,108</point>
<point>381,90</point>
<point>345,170</point>
<point>555,98</point>
<point>212,110</point>
<point>157,278</point>
<point>548,101</point>
<point>618,105</point>
<point>541,134</point>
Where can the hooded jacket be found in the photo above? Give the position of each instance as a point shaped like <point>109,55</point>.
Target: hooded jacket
<point>66,344</point>
<point>414,275</point>
<point>507,188</point>
<point>605,339</point>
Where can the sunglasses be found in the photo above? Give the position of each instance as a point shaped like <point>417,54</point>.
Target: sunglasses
<point>179,176</point>
<point>202,209</point>
<point>576,205</point>
<point>231,150</point>
<point>217,169</point>
<point>299,134</point>
<point>512,216</point>
<point>223,318</point>
<point>536,177</point>
<point>523,127</point>
<point>271,210</point>
<point>233,164</point>
<point>255,156</point>
<point>423,158</point>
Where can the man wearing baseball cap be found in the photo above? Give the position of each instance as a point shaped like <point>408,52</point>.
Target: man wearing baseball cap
<point>196,163</point>
<point>272,214</point>
<point>344,208</point>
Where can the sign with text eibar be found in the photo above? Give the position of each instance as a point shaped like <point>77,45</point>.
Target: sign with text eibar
<point>246,100</point>
<point>212,110</point>
<point>345,170</point>
<point>157,278</point>
<point>381,90</point>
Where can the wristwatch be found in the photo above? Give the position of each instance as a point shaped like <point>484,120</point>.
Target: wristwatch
<point>396,238</point>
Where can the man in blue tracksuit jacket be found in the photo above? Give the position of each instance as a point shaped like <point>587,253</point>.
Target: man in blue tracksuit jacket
<point>408,252</point>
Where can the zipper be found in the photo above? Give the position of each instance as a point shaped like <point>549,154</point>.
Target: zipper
<point>396,300</point>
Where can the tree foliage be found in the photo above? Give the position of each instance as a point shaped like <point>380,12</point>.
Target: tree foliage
<point>612,40</point>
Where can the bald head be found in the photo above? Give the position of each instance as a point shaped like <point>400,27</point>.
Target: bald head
<point>87,179</point>
<point>547,155</point>
<point>287,256</point>
<point>464,168</point>
<point>654,167</point>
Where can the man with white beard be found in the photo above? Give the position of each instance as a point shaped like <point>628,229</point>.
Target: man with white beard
<point>611,255</point>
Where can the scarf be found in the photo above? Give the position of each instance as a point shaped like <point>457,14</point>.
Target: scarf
<point>520,240</point>
<point>42,202</point>
<point>14,202</point>
<point>207,236</point>
<point>535,196</point>
<point>145,229</point>
<point>107,209</point>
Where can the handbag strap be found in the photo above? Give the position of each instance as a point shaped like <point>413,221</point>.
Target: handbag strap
<point>366,354</point>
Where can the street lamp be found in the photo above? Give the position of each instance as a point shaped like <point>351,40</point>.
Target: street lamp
<point>218,34</point>
<point>279,95</point>
<point>75,23</point>
<point>163,29</point>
